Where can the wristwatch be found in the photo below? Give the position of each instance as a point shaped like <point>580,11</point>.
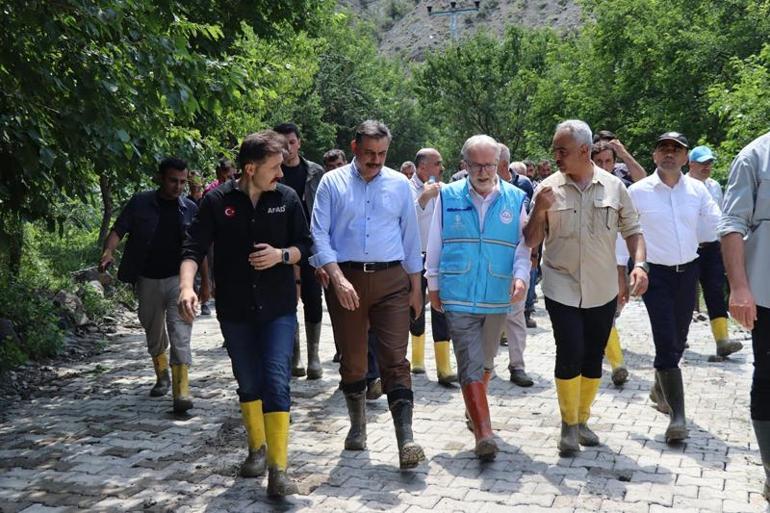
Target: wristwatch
<point>285,255</point>
<point>644,266</point>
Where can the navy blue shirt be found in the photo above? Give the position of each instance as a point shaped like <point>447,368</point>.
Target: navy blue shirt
<point>139,220</point>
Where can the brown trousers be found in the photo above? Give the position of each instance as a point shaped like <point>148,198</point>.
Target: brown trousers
<point>383,304</point>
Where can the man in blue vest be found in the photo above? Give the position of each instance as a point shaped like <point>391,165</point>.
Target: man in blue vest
<point>476,267</point>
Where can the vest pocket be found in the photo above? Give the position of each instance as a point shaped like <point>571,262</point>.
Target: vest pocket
<point>499,282</point>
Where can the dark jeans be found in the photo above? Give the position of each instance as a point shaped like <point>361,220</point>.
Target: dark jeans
<point>760,384</point>
<point>310,291</point>
<point>373,370</point>
<point>670,301</point>
<point>261,358</point>
<point>438,320</point>
<point>711,274</point>
<point>581,335</point>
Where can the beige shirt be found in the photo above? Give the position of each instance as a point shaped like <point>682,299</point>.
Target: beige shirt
<point>579,267</point>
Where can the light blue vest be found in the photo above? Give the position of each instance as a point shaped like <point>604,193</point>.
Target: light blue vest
<point>476,268</point>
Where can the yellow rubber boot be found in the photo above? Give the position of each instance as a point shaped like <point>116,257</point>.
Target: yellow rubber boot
<point>725,346</point>
<point>588,389</point>
<point>163,380</point>
<point>443,363</point>
<point>180,385</point>
<point>418,354</point>
<point>568,393</point>
<point>614,355</point>
<point>277,434</point>
<point>254,422</point>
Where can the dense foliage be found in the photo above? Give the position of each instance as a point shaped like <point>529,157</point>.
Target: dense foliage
<point>96,91</point>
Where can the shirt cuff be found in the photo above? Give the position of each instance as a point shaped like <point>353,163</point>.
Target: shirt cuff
<point>432,282</point>
<point>321,259</point>
<point>730,224</point>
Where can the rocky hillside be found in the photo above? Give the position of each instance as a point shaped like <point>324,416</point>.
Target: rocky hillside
<point>405,27</point>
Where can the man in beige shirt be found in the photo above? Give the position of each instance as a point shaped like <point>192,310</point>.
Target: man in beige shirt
<point>578,212</point>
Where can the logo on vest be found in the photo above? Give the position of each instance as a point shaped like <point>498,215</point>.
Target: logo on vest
<point>274,210</point>
<point>229,212</point>
<point>506,216</point>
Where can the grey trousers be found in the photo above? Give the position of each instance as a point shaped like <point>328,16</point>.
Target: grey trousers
<point>516,333</point>
<point>160,319</point>
<point>475,338</point>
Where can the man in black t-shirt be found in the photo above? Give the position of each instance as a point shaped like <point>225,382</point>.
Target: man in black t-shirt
<point>304,176</point>
<point>156,222</point>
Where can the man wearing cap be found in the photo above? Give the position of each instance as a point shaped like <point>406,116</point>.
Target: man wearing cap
<point>745,233</point>
<point>673,211</point>
<point>711,270</point>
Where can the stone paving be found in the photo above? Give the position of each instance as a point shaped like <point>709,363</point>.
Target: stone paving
<point>96,441</point>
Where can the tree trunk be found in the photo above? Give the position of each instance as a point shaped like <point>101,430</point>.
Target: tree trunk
<point>106,189</point>
<point>15,233</point>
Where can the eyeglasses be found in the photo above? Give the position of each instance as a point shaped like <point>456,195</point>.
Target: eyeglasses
<point>476,168</point>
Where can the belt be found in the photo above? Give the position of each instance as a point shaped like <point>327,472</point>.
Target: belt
<point>708,244</point>
<point>679,268</point>
<point>370,267</point>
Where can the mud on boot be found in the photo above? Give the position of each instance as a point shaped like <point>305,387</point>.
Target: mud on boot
<point>568,440</point>
<point>356,438</point>
<point>279,484</point>
<point>410,454</point>
<point>255,463</point>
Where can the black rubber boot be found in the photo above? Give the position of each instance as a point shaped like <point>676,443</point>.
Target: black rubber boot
<point>673,392</point>
<point>409,453</point>
<point>656,396</point>
<point>762,431</point>
<point>297,369</point>
<point>356,439</point>
<point>313,334</point>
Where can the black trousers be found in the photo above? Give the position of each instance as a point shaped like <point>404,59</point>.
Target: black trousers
<point>760,384</point>
<point>310,291</point>
<point>438,320</point>
<point>711,275</point>
<point>670,301</point>
<point>581,335</point>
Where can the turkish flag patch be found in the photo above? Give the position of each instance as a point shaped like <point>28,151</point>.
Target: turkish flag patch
<point>229,211</point>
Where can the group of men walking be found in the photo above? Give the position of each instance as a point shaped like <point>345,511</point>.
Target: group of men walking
<point>381,243</point>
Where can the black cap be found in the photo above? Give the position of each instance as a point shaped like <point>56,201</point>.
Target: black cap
<point>673,136</point>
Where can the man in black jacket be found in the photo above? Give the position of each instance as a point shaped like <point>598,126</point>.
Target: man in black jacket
<point>304,176</point>
<point>155,222</point>
<point>259,232</point>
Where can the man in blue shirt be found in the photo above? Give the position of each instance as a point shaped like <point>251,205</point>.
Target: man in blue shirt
<point>367,240</point>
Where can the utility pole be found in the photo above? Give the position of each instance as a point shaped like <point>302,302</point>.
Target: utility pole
<point>453,12</point>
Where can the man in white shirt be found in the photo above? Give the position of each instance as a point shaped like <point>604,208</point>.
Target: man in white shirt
<point>426,185</point>
<point>711,270</point>
<point>673,210</point>
<point>477,265</point>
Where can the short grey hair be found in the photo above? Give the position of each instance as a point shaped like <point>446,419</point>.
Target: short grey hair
<point>579,130</point>
<point>505,153</point>
<point>519,168</point>
<point>480,140</point>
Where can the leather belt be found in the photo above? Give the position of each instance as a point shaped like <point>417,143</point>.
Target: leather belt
<point>679,268</point>
<point>370,267</point>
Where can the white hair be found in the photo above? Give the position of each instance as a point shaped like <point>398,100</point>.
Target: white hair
<point>505,153</point>
<point>480,140</point>
<point>579,130</point>
<point>519,168</point>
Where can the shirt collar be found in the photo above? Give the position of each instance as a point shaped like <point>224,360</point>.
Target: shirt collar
<point>417,182</point>
<point>655,178</point>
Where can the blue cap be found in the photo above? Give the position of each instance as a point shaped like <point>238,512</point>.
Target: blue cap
<point>701,154</point>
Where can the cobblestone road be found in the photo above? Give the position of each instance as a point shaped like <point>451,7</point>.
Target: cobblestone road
<point>95,441</point>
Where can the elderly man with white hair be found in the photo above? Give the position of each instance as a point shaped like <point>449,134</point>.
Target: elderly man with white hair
<point>477,266</point>
<point>578,212</point>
